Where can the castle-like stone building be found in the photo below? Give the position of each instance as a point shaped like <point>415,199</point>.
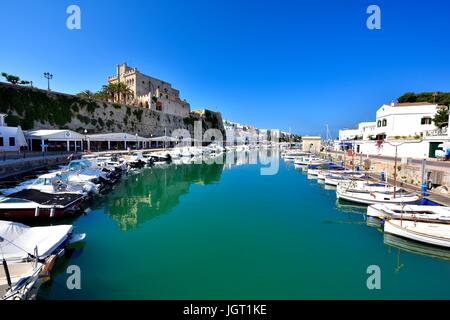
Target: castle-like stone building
<point>149,92</point>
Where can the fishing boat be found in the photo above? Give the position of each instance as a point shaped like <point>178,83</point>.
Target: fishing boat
<point>339,172</point>
<point>372,194</point>
<point>308,160</point>
<point>436,214</point>
<point>334,179</point>
<point>316,169</point>
<point>291,155</point>
<point>436,234</point>
<point>30,203</point>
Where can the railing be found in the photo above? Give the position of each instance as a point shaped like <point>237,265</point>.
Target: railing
<point>11,155</point>
<point>436,132</point>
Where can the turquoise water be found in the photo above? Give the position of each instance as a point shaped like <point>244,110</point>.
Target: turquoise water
<point>219,232</point>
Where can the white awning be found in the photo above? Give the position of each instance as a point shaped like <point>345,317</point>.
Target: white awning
<point>121,136</point>
<point>163,139</point>
<point>54,135</point>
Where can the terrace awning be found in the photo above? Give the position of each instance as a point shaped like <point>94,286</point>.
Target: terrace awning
<point>163,139</point>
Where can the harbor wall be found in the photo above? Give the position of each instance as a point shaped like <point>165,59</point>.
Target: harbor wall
<point>33,108</point>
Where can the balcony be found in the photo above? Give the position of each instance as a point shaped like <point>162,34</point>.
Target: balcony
<point>436,133</point>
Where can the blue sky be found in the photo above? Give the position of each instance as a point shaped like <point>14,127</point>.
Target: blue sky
<point>274,64</point>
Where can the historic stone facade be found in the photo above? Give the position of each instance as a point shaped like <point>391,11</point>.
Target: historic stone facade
<point>149,92</point>
<point>33,108</point>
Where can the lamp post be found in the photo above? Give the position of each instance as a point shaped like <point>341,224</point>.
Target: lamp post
<point>396,145</point>
<point>85,138</point>
<point>48,76</point>
<point>136,140</point>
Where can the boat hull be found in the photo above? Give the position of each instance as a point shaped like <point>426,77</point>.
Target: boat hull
<point>429,233</point>
<point>367,198</point>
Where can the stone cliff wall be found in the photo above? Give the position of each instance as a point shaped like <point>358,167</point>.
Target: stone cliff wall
<point>34,108</point>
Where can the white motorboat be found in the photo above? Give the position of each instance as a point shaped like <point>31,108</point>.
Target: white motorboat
<point>111,162</point>
<point>57,182</point>
<point>436,214</point>
<point>83,170</point>
<point>20,281</point>
<point>21,243</point>
<point>374,194</point>
<point>33,204</point>
<point>436,234</point>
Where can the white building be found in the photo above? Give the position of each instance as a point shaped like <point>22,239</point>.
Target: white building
<point>405,119</point>
<point>11,138</point>
<point>409,126</point>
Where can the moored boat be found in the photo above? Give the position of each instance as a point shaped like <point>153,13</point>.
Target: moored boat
<point>30,203</point>
<point>431,233</point>
<point>436,214</point>
<point>372,194</point>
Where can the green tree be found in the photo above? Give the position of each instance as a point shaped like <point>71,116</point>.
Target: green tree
<point>117,92</point>
<point>441,118</point>
<point>441,98</point>
<point>14,79</point>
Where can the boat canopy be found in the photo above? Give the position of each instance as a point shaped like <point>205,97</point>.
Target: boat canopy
<point>18,241</point>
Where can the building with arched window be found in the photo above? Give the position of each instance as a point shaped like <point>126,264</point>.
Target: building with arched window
<point>149,92</point>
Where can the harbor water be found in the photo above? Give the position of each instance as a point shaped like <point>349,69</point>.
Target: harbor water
<point>217,231</point>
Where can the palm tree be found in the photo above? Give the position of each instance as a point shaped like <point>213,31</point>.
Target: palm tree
<point>117,89</point>
<point>87,94</point>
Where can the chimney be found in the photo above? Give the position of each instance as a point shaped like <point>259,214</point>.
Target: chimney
<point>392,103</point>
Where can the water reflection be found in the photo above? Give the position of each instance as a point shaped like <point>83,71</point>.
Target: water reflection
<point>416,247</point>
<point>153,192</point>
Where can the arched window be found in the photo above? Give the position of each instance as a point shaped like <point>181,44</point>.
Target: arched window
<point>379,123</point>
<point>425,120</point>
<point>384,122</point>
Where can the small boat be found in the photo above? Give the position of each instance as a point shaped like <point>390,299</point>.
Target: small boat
<point>344,178</point>
<point>340,172</point>
<point>308,160</point>
<point>30,203</point>
<point>57,182</point>
<point>316,169</point>
<point>22,243</point>
<point>431,233</point>
<point>375,194</point>
<point>436,214</point>
<point>20,281</point>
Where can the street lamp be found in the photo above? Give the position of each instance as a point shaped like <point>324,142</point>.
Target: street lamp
<point>48,76</point>
<point>396,145</point>
<point>85,138</point>
<point>136,140</point>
